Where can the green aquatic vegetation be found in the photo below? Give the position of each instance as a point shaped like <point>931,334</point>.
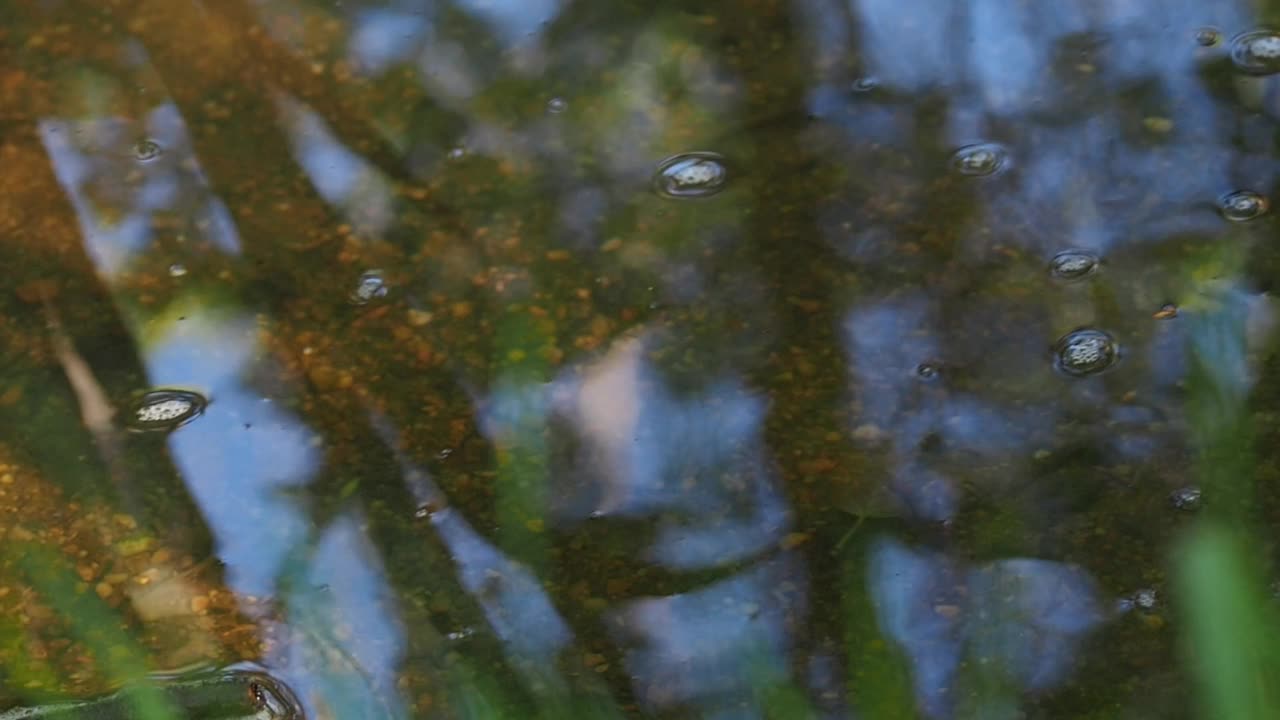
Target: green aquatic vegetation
<point>879,675</point>
<point>96,625</point>
<point>1231,623</point>
<point>523,372</point>
<point>1230,639</point>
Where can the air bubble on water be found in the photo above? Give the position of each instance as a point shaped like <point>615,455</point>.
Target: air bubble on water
<point>177,270</point>
<point>980,159</point>
<point>369,287</point>
<point>1187,498</point>
<point>1208,36</point>
<point>1145,600</point>
<point>1242,205</point>
<point>557,105</point>
<point>1073,264</point>
<point>146,150</point>
<point>164,410</point>
<point>691,175</point>
<point>1085,352</point>
<point>461,634</point>
<point>867,83</point>
<point>1257,52</point>
<point>927,371</point>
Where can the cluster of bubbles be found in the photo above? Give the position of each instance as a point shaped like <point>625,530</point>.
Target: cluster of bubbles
<point>164,410</point>
<point>1084,351</point>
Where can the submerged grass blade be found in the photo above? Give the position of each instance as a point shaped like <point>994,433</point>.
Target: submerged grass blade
<point>1231,631</point>
<point>879,676</point>
<point>1230,638</point>
<point>95,625</point>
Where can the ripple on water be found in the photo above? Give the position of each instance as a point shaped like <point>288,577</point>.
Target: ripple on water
<point>980,159</point>
<point>1085,352</point>
<point>691,175</point>
<point>1242,205</point>
<point>1073,265</point>
<point>164,410</point>
<point>1257,52</point>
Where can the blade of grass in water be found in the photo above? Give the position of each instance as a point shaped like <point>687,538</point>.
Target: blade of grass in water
<point>879,678</point>
<point>95,625</point>
<point>1231,628</point>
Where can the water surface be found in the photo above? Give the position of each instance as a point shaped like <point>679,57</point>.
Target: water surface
<point>788,358</point>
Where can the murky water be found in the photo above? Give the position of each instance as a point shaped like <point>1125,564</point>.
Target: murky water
<point>786,358</point>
